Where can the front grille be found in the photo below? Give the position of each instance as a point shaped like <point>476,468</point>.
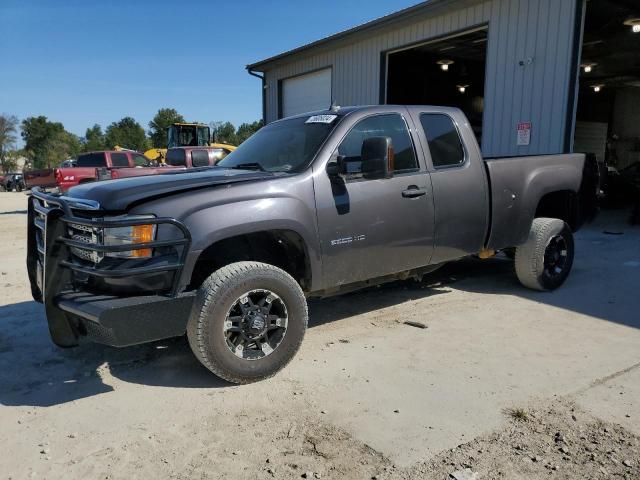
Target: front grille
<point>88,235</point>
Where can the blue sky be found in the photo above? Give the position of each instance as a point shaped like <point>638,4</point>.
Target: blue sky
<point>82,62</point>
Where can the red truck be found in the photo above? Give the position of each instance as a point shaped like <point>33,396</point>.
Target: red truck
<point>91,167</point>
<point>177,158</point>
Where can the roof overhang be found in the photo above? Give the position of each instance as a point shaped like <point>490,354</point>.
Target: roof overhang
<point>427,8</point>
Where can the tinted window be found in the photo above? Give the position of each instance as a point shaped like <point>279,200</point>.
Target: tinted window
<point>140,160</point>
<point>176,157</point>
<point>200,158</point>
<point>392,126</point>
<point>119,160</point>
<point>92,160</point>
<point>283,146</point>
<point>444,142</point>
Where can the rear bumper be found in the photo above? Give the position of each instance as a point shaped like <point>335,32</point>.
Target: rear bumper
<point>120,322</point>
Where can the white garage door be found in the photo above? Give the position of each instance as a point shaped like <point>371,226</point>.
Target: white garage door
<point>305,93</point>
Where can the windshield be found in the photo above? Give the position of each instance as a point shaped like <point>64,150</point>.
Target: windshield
<point>285,146</point>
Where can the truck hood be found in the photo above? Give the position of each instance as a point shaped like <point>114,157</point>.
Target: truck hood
<point>120,194</point>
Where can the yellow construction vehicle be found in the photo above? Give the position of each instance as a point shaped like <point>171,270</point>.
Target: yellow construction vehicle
<point>188,135</point>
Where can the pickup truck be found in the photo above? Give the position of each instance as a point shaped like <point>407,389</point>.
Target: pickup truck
<point>88,169</point>
<point>311,205</point>
<point>194,157</point>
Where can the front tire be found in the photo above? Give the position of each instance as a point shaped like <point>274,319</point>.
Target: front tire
<point>248,321</point>
<point>545,260</point>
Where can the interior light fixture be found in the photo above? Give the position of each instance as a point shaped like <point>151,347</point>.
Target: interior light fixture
<point>588,67</point>
<point>462,88</point>
<point>444,64</point>
<point>634,23</point>
<point>597,88</point>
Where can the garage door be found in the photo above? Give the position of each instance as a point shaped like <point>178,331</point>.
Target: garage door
<point>305,93</point>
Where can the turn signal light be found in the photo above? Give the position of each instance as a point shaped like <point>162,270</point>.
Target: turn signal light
<point>142,234</point>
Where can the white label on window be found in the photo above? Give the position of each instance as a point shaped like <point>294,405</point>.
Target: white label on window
<point>321,119</point>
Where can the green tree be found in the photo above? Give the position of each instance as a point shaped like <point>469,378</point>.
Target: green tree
<point>224,132</point>
<point>163,120</point>
<point>8,131</point>
<point>245,130</point>
<point>94,139</point>
<point>127,133</point>
<point>47,143</point>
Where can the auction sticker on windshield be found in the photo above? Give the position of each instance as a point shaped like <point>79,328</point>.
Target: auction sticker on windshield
<point>321,119</point>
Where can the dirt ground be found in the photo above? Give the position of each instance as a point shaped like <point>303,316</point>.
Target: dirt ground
<point>504,383</point>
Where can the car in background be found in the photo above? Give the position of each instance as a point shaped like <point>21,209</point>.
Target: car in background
<point>13,181</point>
<point>89,167</point>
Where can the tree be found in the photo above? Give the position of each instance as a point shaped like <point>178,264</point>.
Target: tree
<point>163,120</point>
<point>47,143</point>
<point>94,139</point>
<point>224,132</point>
<point>245,130</point>
<point>127,133</point>
<point>8,130</point>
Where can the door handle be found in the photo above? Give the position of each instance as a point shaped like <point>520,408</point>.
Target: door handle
<point>413,191</point>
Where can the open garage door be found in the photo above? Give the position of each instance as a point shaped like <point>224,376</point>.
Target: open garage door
<point>608,114</point>
<point>448,71</point>
<point>305,93</point>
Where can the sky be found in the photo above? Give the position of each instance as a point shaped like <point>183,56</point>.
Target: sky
<point>82,62</point>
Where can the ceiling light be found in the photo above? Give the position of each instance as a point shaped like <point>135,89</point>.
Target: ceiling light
<point>597,88</point>
<point>634,23</point>
<point>444,64</point>
<point>462,88</point>
<point>588,67</point>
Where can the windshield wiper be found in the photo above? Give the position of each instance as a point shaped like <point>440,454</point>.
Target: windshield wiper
<point>249,166</point>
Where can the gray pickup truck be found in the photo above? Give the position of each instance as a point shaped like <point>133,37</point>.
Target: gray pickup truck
<point>311,205</point>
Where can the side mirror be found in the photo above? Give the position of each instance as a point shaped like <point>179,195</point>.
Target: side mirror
<point>377,158</point>
<point>337,168</point>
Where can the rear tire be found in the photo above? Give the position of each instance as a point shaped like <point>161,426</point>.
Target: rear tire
<point>545,260</point>
<point>248,321</point>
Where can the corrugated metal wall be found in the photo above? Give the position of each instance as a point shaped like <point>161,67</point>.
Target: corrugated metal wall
<point>540,30</point>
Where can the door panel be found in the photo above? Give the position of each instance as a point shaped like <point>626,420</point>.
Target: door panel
<point>372,228</point>
<point>459,182</point>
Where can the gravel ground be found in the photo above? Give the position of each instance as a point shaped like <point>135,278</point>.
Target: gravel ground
<point>503,383</point>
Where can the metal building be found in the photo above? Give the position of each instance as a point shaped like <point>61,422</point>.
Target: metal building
<point>513,66</point>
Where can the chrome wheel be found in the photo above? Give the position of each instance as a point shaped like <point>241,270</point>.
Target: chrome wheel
<point>256,324</point>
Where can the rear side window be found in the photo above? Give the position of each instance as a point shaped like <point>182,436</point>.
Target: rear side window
<point>139,160</point>
<point>119,160</point>
<point>176,157</point>
<point>390,125</point>
<point>443,139</point>
<point>200,158</point>
<point>92,160</point>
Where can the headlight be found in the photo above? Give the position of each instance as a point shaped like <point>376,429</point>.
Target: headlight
<point>129,236</point>
<point>113,236</point>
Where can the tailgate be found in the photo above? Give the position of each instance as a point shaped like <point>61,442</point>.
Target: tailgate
<point>40,178</point>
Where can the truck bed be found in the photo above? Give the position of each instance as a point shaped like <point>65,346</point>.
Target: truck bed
<point>518,183</point>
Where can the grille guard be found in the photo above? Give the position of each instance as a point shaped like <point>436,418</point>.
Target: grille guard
<point>48,203</point>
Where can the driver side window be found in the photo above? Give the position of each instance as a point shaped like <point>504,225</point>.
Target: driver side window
<point>386,125</point>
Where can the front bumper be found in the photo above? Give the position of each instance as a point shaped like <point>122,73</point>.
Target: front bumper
<point>66,285</point>
<point>121,322</point>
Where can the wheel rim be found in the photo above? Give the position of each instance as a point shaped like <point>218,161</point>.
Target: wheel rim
<point>556,256</point>
<point>256,324</point>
